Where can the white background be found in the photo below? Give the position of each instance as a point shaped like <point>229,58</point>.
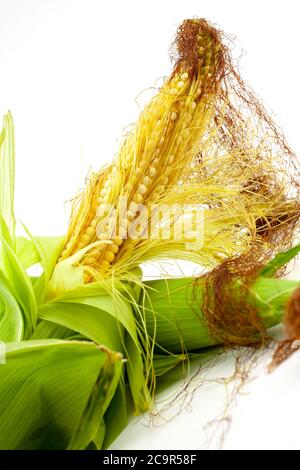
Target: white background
<point>70,71</point>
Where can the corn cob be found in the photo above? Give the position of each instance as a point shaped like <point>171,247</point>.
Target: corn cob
<point>164,141</point>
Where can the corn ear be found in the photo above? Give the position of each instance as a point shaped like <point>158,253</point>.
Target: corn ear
<point>203,140</point>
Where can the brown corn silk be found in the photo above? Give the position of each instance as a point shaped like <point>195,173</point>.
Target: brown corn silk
<point>206,139</point>
<point>291,321</point>
<point>292,316</point>
<point>229,316</point>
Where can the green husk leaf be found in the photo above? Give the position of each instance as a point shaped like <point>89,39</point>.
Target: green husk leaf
<point>93,295</point>
<point>87,429</point>
<point>93,323</point>
<point>116,416</point>
<point>49,249</point>
<point>26,252</point>
<point>280,260</point>
<point>11,318</point>
<point>45,251</point>
<point>270,297</point>
<point>39,249</point>
<point>20,285</point>
<point>164,363</point>
<point>47,330</point>
<point>7,177</point>
<point>46,388</point>
<point>172,318</point>
<point>98,440</point>
<point>102,318</point>
<point>136,377</point>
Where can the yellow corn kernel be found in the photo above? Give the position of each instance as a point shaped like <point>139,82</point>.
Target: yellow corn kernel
<point>109,256</point>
